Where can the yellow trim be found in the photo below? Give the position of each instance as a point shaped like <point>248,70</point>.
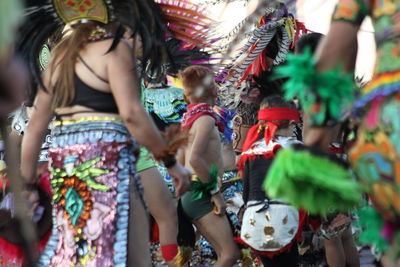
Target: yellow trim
<point>87,119</point>
<point>237,178</point>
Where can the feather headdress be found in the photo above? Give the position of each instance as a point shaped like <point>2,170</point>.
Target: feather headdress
<point>183,54</point>
<point>152,21</point>
<point>267,46</point>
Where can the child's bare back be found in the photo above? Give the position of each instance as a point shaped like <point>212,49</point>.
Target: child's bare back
<point>209,147</point>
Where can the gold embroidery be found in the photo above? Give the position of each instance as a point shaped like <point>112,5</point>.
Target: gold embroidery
<point>267,216</point>
<point>269,230</point>
<point>74,10</point>
<point>285,220</point>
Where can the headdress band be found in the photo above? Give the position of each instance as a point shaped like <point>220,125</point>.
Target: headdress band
<point>269,127</point>
<point>277,114</point>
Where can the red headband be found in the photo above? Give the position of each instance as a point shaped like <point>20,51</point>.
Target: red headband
<point>269,115</point>
<point>278,114</point>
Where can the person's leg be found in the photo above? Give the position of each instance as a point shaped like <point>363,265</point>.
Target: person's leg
<point>350,250</point>
<point>335,256</point>
<point>163,209</point>
<point>217,231</point>
<point>138,243</point>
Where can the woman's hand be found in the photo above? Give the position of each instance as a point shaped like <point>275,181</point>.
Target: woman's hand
<point>181,177</point>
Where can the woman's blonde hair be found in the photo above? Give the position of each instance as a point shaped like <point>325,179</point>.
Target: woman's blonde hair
<point>65,54</point>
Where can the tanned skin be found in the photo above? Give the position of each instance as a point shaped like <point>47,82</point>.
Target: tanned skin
<point>204,150</point>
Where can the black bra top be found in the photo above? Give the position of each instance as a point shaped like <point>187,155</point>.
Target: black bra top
<point>92,98</point>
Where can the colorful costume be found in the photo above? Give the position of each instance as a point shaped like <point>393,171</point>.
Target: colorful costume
<point>279,223</point>
<point>375,156</point>
<point>165,105</point>
<point>196,204</point>
<point>11,249</point>
<point>92,160</point>
<point>11,241</point>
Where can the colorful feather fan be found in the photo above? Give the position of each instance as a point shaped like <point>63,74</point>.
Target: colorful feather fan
<point>186,21</point>
<point>225,116</point>
<point>183,54</point>
<point>152,21</point>
<point>267,46</point>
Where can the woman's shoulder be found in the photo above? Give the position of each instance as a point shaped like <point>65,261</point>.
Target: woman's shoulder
<point>107,47</point>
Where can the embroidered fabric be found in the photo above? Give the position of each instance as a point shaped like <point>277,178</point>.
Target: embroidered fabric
<point>166,103</point>
<point>197,110</point>
<point>386,79</point>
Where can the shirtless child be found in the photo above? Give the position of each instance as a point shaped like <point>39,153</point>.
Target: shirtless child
<point>202,152</point>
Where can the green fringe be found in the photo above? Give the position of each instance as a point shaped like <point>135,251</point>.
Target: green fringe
<point>371,223</point>
<point>200,189</point>
<point>311,182</point>
<point>323,95</point>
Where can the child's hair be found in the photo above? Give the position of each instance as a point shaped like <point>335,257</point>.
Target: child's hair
<point>276,101</point>
<point>198,83</point>
<point>310,40</point>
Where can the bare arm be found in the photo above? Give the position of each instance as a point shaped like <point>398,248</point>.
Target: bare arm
<point>202,130</point>
<point>34,134</point>
<point>125,88</point>
<point>339,47</point>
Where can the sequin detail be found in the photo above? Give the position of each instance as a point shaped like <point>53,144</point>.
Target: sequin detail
<point>92,164</point>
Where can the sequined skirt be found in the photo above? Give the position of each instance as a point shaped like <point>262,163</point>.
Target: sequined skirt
<point>92,164</point>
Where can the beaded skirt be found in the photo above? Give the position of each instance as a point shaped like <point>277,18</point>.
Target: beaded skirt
<point>92,164</point>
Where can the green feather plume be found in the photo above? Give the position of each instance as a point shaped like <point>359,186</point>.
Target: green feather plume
<point>314,183</point>
<point>323,95</point>
<point>200,189</point>
<point>371,223</point>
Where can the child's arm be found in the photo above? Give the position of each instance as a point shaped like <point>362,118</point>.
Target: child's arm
<point>202,130</point>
